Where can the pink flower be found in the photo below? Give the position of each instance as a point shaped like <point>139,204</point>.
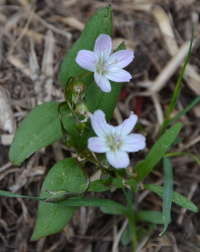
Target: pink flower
<point>115,141</point>
<point>105,66</point>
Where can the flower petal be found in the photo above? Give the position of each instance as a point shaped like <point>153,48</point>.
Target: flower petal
<point>127,126</point>
<point>87,60</point>
<point>118,158</point>
<point>133,143</point>
<point>99,124</point>
<point>102,82</point>
<point>97,144</point>
<point>122,58</point>
<point>103,46</point>
<point>118,76</point>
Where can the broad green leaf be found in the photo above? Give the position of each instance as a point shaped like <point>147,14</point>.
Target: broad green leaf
<point>157,151</point>
<point>40,128</point>
<point>176,197</point>
<point>150,216</point>
<point>168,190</point>
<point>65,175</point>
<point>99,23</point>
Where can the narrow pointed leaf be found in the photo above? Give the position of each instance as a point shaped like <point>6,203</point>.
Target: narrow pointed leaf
<point>157,151</point>
<point>176,197</point>
<point>168,190</point>
<point>150,216</point>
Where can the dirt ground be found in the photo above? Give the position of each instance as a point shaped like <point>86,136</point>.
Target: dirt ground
<point>34,38</point>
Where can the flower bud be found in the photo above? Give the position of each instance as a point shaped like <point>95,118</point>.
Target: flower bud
<point>82,109</point>
<point>59,195</point>
<point>78,91</point>
<point>80,126</point>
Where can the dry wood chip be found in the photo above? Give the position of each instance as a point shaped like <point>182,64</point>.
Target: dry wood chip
<point>170,68</point>
<point>70,21</point>
<point>36,36</point>
<point>24,3</point>
<point>25,175</point>
<point>7,121</point>
<point>6,139</point>
<point>165,26</point>
<point>17,62</point>
<point>178,55</point>
<point>47,65</point>
<point>3,174</point>
<point>130,45</point>
<point>11,23</point>
<point>34,67</point>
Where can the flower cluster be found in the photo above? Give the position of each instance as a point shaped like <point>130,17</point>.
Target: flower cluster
<point>105,66</point>
<point>115,141</point>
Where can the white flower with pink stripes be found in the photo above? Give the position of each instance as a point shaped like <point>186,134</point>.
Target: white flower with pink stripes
<point>105,66</point>
<point>115,141</point>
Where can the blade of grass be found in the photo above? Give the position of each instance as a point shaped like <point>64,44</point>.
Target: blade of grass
<point>176,197</point>
<point>132,225</point>
<point>168,191</point>
<point>190,106</point>
<point>174,154</point>
<point>13,195</point>
<point>177,88</point>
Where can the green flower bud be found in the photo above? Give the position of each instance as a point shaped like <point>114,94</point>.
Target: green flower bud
<point>82,109</point>
<point>78,91</point>
<point>69,141</point>
<point>80,126</point>
<point>106,180</point>
<point>59,195</point>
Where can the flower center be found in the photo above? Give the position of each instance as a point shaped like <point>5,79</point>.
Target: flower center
<point>114,142</point>
<point>100,66</point>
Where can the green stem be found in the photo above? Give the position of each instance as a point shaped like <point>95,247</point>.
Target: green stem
<point>65,133</point>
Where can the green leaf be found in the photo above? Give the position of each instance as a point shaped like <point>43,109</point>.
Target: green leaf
<point>185,110</point>
<point>150,216</point>
<point>176,197</point>
<point>177,90</point>
<point>157,151</point>
<point>99,23</point>
<point>168,190</point>
<point>39,129</point>
<point>14,195</point>
<point>126,236</point>
<point>112,210</point>
<point>174,154</point>
<point>105,204</point>
<point>52,218</point>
